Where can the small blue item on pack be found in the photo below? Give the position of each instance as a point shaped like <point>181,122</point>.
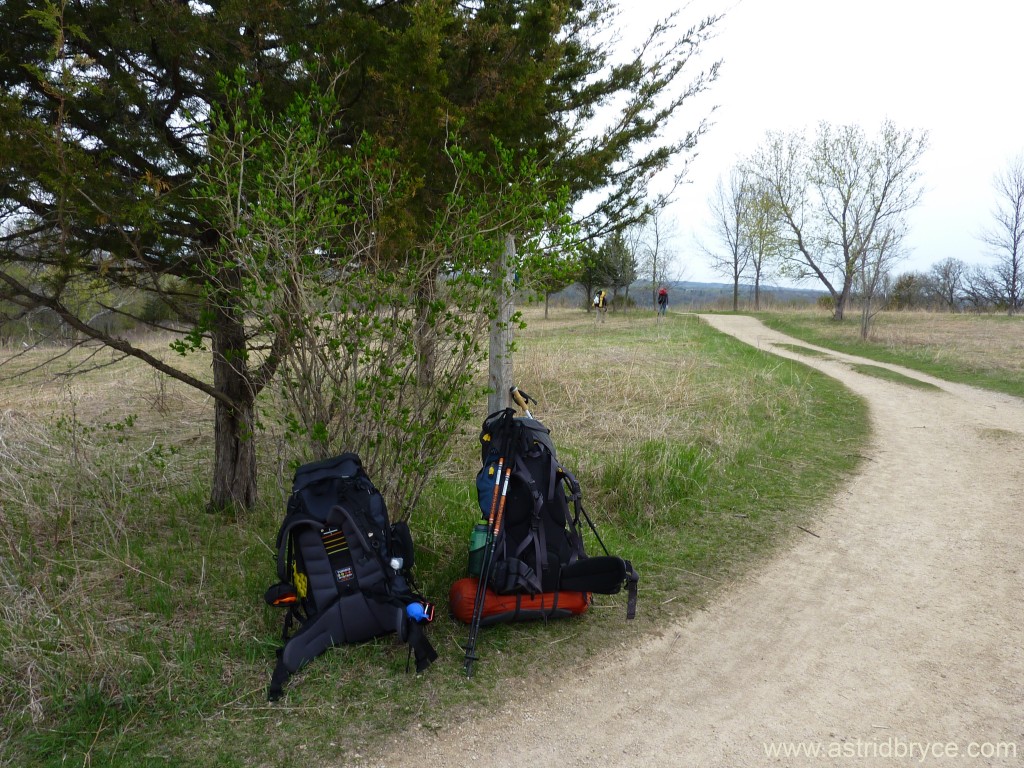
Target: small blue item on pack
<point>419,612</point>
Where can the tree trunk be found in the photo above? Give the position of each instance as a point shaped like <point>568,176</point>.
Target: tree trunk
<point>499,366</point>
<point>234,462</point>
<point>426,338</point>
<point>234,465</point>
<point>841,301</point>
<point>865,319</point>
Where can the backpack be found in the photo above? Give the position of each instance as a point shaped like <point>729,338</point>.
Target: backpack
<point>344,570</point>
<point>539,548</point>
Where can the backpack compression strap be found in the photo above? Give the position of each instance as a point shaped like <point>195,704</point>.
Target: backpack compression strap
<point>572,521</point>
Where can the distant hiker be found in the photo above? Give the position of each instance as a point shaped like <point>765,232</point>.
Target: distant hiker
<point>601,304</point>
<point>662,301</point>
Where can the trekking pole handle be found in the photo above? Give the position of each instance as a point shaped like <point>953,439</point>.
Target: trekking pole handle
<point>521,399</point>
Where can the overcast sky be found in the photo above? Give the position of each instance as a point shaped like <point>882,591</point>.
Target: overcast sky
<point>951,69</point>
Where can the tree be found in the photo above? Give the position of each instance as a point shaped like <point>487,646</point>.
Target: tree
<point>731,204</point>
<point>312,230</point>
<point>616,264</point>
<point>554,265</point>
<point>650,242</point>
<point>911,290</point>
<point>1005,237</point>
<point>99,131</point>
<point>560,103</point>
<point>946,280</point>
<point>839,196</point>
<point>764,238</point>
<point>104,114</point>
<point>873,276</point>
<point>106,125</point>
<point>609,166</point>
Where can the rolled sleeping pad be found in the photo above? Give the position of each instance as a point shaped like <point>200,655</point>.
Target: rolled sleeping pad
<point>504,608</point>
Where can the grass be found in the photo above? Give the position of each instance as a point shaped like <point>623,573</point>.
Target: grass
<point>982,350</point>
<point>880,372</point>
<point>133,630</point>
<point>801,349</point>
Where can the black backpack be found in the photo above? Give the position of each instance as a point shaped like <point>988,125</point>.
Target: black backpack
<point>539,547</point>
<point>344,570</point>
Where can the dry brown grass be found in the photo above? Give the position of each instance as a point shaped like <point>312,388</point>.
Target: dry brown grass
<point>985,350</point>
<point>980,341</point>
<point>691,448</point>
<point>605,382</point>
<point>98,385</point>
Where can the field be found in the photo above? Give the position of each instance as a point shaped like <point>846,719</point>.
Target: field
<point>984,350</point>
<point>133,630</point>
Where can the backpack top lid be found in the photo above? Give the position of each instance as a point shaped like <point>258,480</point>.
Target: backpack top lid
<point>504,431</point>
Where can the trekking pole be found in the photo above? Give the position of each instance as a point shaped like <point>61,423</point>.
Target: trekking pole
<point>490,543</point>
<point>481,589</point>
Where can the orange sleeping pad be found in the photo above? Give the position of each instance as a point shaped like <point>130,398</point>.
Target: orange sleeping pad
<point>501,608</point>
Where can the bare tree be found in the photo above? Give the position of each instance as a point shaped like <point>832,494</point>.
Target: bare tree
<point>838,196</point>
<point>730,206</point>
<point>946,283</point>
<point>874,275</point>
<point>1005,236</point>
<point>650,244</point>
<point>981,292</point>
<point>765,241</point>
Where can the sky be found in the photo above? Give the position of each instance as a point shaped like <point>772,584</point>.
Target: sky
<point>951,69</point>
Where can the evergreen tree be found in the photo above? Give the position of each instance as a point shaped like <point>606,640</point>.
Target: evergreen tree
<point>104,129</point>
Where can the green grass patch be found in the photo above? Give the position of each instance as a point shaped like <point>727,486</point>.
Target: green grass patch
<point>802,350</point>
<point>880,372</point>
<point>134,631</point>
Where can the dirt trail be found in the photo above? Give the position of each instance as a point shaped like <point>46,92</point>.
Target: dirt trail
<point>893,638</point>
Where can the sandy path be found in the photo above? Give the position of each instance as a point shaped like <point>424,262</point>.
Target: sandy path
<point>893,639</point>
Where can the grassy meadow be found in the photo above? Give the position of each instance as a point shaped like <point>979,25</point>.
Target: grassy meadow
<point>133,630</point>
